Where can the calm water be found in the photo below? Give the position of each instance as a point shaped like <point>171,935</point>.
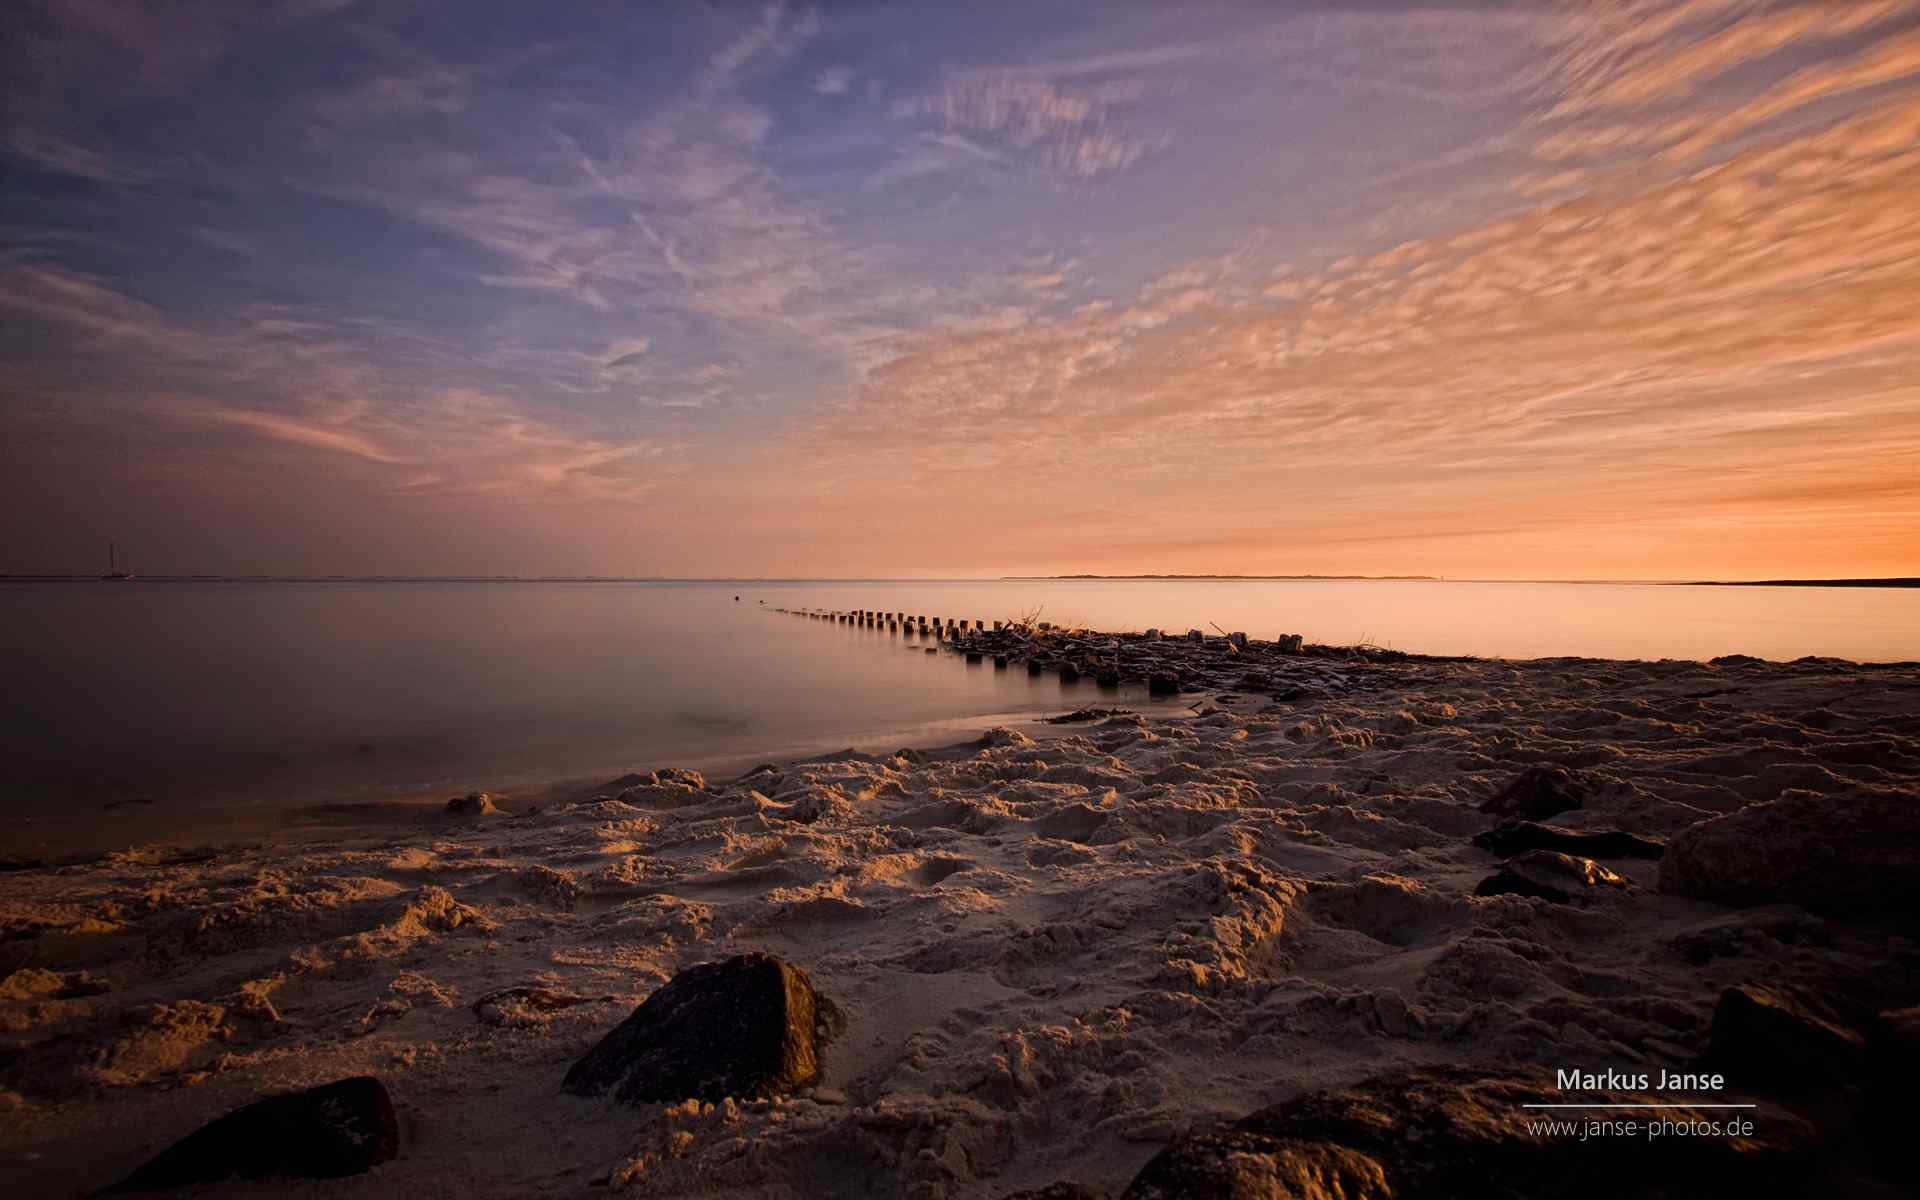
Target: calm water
<point>275,692</point>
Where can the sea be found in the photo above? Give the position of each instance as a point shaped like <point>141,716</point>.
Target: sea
<point>125,694</point>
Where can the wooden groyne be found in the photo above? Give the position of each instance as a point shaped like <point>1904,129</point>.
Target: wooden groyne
<point>1166,664</point>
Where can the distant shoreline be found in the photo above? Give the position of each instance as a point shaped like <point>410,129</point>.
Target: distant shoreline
<point>1230,578</point>
<point>1838,583</point>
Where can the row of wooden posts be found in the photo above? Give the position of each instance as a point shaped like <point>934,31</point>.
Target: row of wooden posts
<point>945,628</point>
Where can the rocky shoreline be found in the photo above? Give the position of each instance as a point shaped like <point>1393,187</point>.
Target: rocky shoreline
<point>1331,928</point>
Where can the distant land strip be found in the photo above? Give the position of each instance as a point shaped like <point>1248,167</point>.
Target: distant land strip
<point>1866,583</point>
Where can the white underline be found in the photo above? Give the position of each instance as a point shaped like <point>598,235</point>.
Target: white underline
<point>1639,1106</point>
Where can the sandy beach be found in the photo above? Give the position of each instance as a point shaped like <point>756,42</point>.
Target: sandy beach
<point>1055,953</point>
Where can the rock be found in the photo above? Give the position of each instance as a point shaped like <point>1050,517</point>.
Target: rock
<point>1450,1132</point>
<point>1232,1164</point>
<point>815,804</point>
<point>1108,678</point>
<point>999,662</point>
<point>1550,875</point>
<point>1514,837</point>
<point>1163,683</point>
<point>1539,792</point>
<point>1766,1036</point>
<point>525,1007</point>
<point>1291,643</point>
<point>1239,641</point>
<point>473,804</point>
<point>1194,635</point>
<point>749,1027</point>
<point>338,1129</point>
<point>1853,853</point>
<point>1069,673</point>
<point>1036,667</point>
<point>1088,714</point>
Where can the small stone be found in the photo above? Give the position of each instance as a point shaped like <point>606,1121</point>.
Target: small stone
<point>1550,875</point>
<point>524,1007</point>
<point>473,804</point>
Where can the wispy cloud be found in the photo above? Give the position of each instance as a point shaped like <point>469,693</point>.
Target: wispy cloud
<point>1064,128</point>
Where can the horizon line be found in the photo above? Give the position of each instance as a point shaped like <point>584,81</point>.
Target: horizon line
<point>1891,581</point>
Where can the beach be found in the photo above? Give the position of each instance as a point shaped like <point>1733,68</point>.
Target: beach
<point>1058,949</point>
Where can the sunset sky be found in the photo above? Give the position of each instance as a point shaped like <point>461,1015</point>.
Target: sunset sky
<point>1602,290</point>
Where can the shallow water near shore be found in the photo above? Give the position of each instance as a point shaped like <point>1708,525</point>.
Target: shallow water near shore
<point>125,696</point>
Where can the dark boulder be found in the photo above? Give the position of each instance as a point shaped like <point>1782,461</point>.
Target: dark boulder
<point>1539,792</point>
<point>1058,1191</point>
<point>338,1129</point>
<point>1550,875</point>
<point>1163,683</point>
<point>749,1027</point>
<point>1516,837</point>
<point>1776,1037</point>
<point>1854,853</point>
<point>1451,1132</point>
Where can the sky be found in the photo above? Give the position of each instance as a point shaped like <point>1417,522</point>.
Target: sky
<point>1503,290</point>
